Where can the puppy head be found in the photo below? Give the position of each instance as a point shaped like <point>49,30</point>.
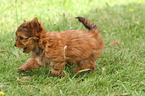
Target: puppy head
<point>28,34</point>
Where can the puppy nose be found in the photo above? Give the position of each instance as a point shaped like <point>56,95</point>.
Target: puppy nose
<point>15,45</point>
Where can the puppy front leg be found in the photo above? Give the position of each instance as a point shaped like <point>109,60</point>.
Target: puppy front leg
<point>30,64</point>
<point>56,68</point>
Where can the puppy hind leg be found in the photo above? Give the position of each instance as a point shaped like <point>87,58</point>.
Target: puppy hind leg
<point>56,68</point>
<point>85,65</point>
<point>93,66</point>
<point>76,70</point>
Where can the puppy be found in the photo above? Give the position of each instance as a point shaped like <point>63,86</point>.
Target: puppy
<point>59,48</point>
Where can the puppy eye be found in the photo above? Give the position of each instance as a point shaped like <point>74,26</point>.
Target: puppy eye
<point>21,38</point>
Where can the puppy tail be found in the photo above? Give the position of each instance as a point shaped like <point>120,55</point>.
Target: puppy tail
<point>89,25</point>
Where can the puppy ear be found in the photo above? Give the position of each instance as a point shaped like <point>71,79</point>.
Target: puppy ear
<point>35,24</point>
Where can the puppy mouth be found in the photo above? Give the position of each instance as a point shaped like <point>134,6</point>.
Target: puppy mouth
<point>24,49</point>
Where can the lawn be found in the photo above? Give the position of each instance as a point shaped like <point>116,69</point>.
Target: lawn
<point>120,70</point>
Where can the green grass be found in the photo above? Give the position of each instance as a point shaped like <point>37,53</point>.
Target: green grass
<point>123,64</point>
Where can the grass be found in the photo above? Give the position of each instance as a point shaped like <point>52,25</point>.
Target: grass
<point>120,69</point>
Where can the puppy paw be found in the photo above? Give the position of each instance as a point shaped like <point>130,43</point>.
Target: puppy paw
<point>20,69</point>
<point>76,70</point>
<point>57,72</point>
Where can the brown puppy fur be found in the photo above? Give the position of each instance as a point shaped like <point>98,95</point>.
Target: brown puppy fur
<point>59,48</point>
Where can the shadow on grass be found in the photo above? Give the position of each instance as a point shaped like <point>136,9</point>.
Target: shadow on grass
<point>45,72</point>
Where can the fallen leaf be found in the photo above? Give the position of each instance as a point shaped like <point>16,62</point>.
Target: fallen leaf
<point>103,69</point>
<point>115,43</point>
<point>23,79</point>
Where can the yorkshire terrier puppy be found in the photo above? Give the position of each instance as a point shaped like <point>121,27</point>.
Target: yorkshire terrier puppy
<point>59,48</point>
